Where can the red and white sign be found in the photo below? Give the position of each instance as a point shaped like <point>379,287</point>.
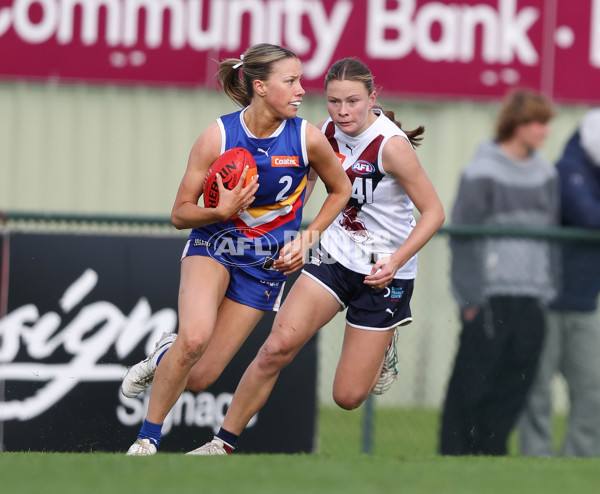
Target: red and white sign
<point>425,48</point>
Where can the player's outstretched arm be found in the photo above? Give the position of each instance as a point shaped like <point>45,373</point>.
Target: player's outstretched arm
<point>400,159</point>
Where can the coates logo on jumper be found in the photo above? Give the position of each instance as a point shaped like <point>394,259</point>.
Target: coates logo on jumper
<point>279,161</point>
<point>362,167</point>
<point>244,247</point>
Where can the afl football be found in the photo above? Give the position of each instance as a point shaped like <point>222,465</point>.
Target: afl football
<point>230,166</point>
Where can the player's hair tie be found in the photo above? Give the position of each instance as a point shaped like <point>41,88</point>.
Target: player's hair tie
<point>240,63</point>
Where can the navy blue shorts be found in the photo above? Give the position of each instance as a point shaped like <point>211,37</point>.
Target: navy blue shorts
<point>244,288</point>
<point>368,308</point>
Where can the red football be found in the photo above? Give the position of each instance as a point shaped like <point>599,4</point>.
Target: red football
<point>230,166</point>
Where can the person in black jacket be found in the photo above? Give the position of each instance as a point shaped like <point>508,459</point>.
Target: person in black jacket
<point>572,345</point>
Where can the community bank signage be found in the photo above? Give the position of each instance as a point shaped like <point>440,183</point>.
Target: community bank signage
<point>423,48</point>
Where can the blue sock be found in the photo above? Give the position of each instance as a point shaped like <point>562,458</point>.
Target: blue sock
<point>228,438</point>
<point>151,431</point>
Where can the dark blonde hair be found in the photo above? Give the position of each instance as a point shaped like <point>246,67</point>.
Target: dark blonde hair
<point>352,69</point>
<point>255,64</point>
<point>520,107</point>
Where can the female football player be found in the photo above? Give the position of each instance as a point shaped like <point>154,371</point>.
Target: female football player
<point>222,292</point>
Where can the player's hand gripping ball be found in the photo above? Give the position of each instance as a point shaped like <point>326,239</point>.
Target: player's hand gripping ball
<point>230,166</point>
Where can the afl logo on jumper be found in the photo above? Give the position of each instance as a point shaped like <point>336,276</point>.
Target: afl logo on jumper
<point>363,167</point>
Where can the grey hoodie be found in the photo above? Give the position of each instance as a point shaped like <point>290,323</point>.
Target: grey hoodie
<point>497,189</point>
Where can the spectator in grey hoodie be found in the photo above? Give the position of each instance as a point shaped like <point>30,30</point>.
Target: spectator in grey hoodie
<point>501,284</point>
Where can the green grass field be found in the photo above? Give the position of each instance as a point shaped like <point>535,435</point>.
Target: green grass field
<point>403,460</point>
<point>397,432</point>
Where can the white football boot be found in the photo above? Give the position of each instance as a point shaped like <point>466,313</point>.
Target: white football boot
<point>139,376</point>
<point>389,371</point>
<point>142,447</point>
<point>213,448</point>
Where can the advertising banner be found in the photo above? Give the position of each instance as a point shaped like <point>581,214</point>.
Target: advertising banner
<point>83,307</point>
<point>420,48</point>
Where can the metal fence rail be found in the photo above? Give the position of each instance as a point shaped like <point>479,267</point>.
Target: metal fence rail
<point>21,220</point>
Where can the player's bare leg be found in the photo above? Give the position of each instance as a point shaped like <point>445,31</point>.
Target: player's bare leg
<point>235,322</point>
<point>198,310</point>
<point>198,304</point>
<point>360,364</point>
<point>307,308</point>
